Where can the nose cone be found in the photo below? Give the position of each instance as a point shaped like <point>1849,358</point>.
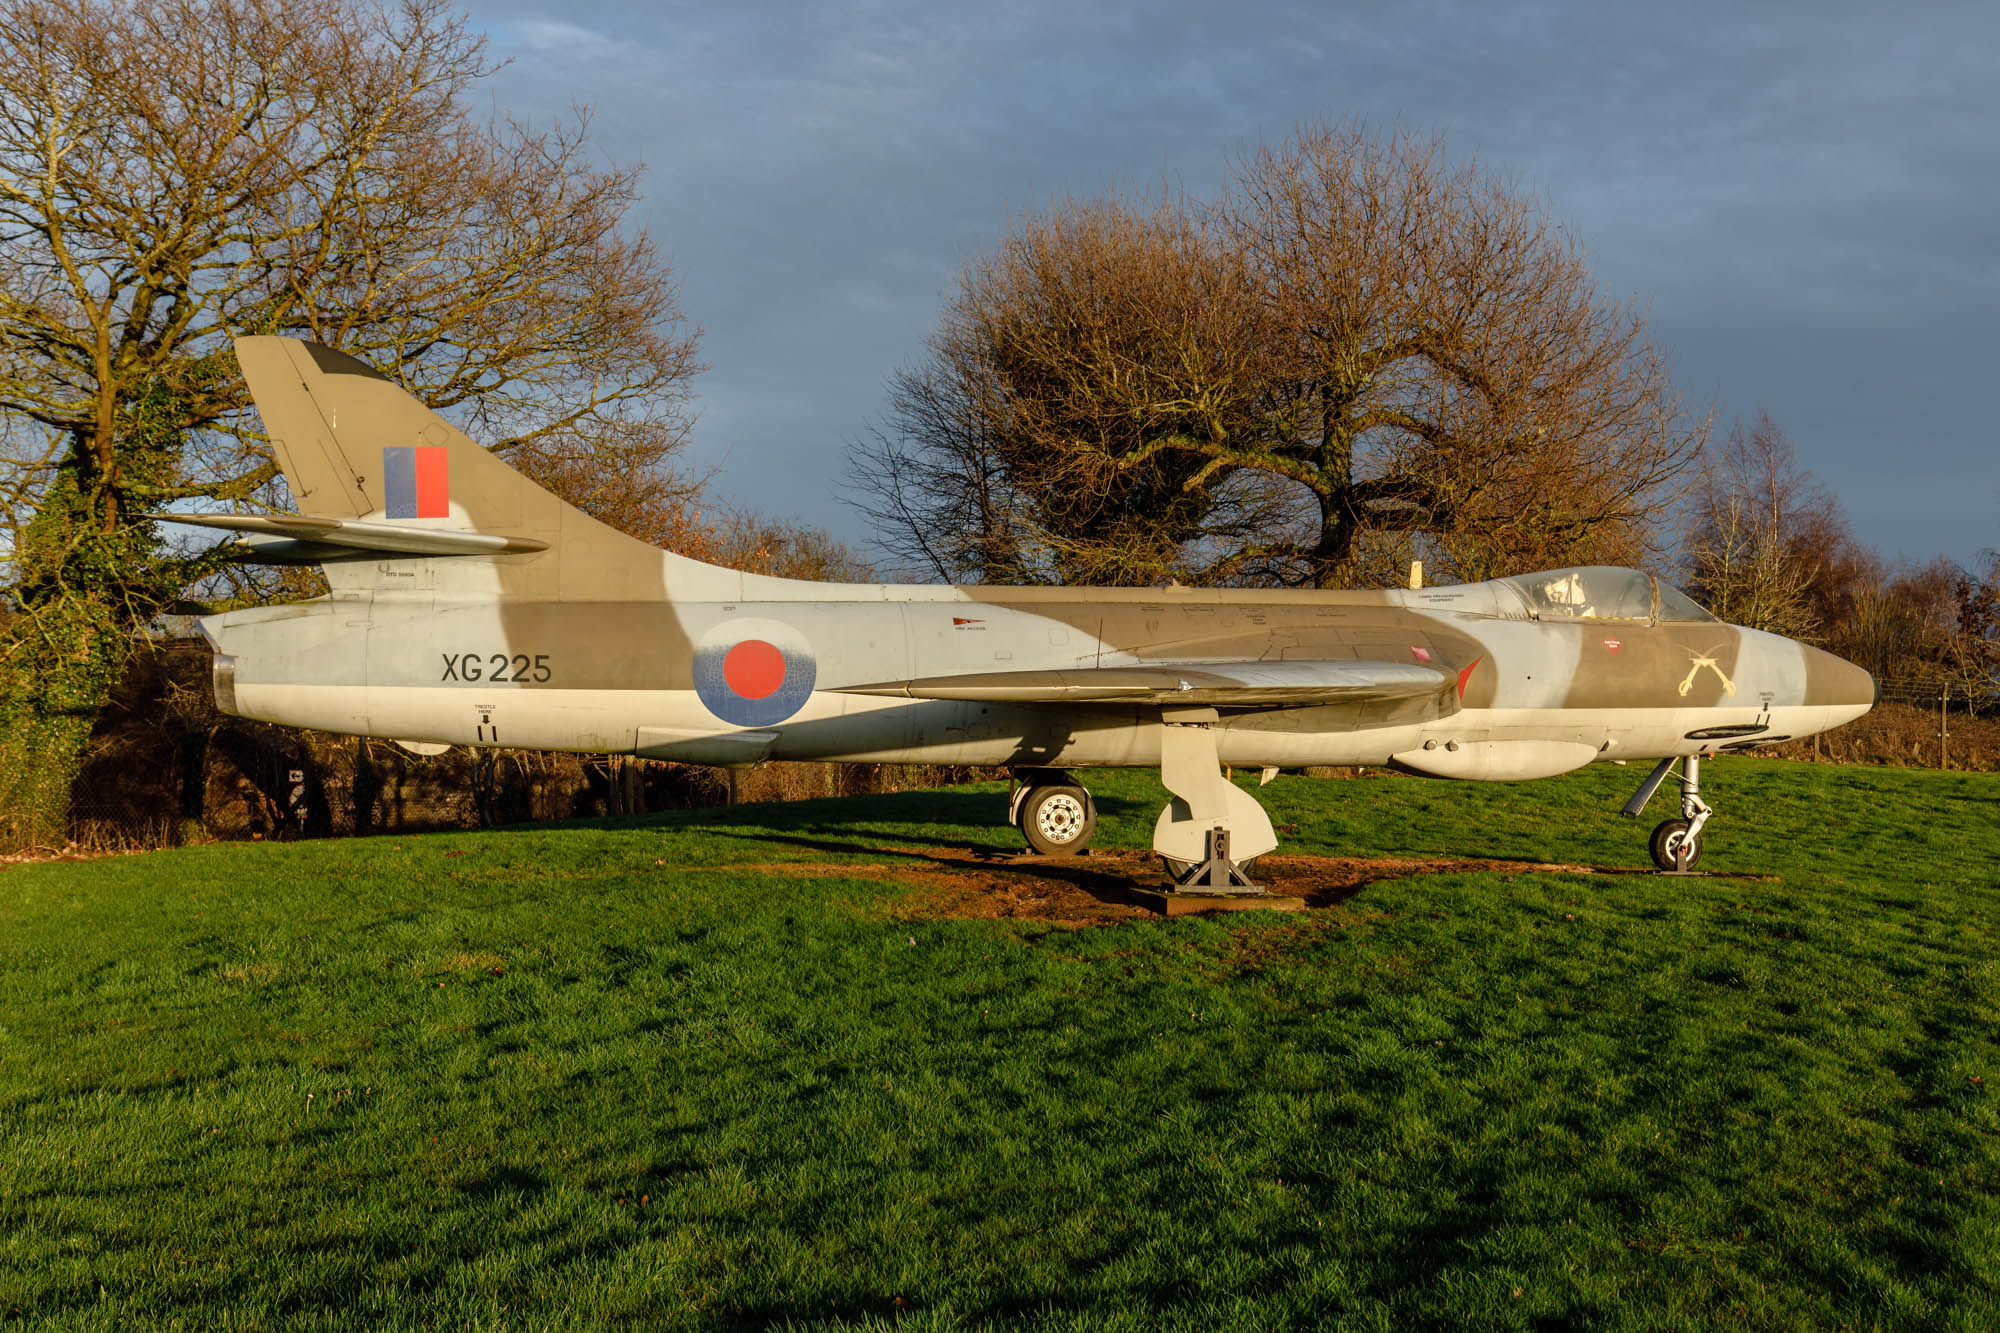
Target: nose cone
<point>1841,686</point>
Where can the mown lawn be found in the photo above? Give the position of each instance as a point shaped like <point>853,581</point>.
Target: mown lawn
<point>607,1075</point>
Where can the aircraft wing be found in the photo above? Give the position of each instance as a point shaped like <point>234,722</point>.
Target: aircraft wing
<point>1256,684</point>
<point>360,535</point>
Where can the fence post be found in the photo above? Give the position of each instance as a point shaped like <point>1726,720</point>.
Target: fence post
<point>1944,722</point>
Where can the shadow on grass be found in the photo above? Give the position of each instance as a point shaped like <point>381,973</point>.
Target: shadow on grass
<point>909,807</point>
<point>943,808</point>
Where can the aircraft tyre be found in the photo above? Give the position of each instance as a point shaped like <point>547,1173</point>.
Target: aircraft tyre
<point>1667,840</point>
<point>1058,820</point>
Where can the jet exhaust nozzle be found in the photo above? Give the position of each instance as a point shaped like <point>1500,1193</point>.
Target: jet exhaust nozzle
<point>222,678</point>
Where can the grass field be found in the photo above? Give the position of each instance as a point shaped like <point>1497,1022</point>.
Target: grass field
<point>774,1065</point>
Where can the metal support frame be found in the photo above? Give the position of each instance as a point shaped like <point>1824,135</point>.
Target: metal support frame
<point>1216,873</point>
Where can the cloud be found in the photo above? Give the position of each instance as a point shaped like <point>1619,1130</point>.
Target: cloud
<point>562,39</point>
<point>1769,179</point>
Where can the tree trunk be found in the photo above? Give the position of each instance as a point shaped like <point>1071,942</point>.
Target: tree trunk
<point>367,786</point>
<point>1333,553</point>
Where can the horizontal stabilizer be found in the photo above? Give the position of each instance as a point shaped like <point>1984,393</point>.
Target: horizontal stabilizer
<point>1221,684</point>
<point>361,535</point>
<point>256,549</point>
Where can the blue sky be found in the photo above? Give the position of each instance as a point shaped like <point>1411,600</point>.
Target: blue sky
<point>1803,196</point>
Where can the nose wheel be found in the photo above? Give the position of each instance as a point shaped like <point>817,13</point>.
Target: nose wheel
<point>1054,813</point>
<point>1674,848</point>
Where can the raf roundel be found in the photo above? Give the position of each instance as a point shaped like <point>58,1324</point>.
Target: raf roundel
<point>753,672</point>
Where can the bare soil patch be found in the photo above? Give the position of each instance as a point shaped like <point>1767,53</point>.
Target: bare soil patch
<point>1103,887</point>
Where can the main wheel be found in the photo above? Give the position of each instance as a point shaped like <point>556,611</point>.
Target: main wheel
<point>1667,839</point>
<point>1058,821</point>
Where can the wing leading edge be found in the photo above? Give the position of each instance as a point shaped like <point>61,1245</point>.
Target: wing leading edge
<point>1258,684</point>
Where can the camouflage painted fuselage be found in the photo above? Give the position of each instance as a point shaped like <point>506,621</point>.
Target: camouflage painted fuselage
<point>621,676</point>
<point>569,635</point>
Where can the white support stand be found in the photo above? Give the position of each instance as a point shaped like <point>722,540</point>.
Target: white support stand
<point>1211,825</point>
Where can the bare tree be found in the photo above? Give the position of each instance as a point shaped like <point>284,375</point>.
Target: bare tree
<point>1762,534</point>
<point>175,174</point>
<point>758,544</point>
<point>1923,628</point>
<point>1026,447</point>
<point>1360,350</point>
<point>1446,367</point>
<point>1979,629</point>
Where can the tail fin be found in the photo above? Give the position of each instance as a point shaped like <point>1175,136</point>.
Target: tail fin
<point>357,448</point>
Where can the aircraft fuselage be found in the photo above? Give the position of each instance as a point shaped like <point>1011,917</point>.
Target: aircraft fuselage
<point>622,677</point>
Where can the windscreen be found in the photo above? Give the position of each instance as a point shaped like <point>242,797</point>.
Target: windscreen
<point>1677,605</point>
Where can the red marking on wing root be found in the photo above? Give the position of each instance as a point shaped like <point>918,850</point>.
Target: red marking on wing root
<point>1466,674</point>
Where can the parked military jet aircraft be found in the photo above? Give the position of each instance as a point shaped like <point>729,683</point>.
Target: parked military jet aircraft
<point>471,607</point>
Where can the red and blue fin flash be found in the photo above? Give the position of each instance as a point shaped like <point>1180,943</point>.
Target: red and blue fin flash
<point>415,483</point>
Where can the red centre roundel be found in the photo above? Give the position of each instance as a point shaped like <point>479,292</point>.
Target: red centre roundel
<point>754,669</point>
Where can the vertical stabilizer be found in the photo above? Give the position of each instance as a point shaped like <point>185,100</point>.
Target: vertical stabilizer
<point>354,445</point>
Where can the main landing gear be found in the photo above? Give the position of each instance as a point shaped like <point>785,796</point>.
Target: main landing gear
<point>1213,831</point>
<point>1208,837</point>
<point>1676,843</point>
<point>1053,811</point>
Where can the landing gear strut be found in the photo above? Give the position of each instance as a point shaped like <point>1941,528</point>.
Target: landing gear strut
<point>1213,831</point>
<point>1676,843</point>
<point>1053,811</point>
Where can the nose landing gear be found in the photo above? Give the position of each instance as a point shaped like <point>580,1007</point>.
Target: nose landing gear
<point>1676,843</point>
<point>1673,847</point>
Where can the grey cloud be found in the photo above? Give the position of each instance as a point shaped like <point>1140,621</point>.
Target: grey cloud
<point>1801,194</point>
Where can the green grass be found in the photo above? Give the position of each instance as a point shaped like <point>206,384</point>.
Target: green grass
<point>538,1078</point>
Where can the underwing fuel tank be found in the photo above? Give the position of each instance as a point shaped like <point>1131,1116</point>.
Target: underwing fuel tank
<point>1495,761</point>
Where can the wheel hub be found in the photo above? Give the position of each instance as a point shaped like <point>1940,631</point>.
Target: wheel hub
<point>1060,818</point>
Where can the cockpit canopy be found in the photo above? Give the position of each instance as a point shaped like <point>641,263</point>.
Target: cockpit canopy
<point>1603,592</point>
